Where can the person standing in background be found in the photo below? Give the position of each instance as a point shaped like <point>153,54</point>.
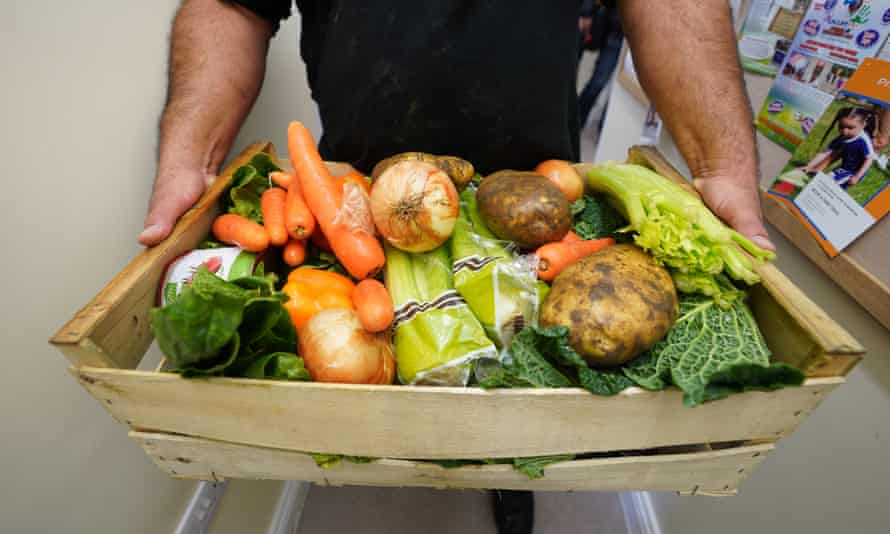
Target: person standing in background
<point>606,36</point>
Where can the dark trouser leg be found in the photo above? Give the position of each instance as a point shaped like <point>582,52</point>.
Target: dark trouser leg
<point>602,73</point>
<point>514,511</point>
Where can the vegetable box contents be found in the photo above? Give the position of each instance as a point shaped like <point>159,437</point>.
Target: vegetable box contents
<point>435,275</point>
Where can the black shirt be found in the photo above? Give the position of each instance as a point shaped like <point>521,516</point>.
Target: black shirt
<point>492,81</point>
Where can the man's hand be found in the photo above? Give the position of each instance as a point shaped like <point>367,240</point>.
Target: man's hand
<point>584,24</point>
<point>687,61</point>
<point>217,63</point>
<point>736,202</point>
<point>173,195</point>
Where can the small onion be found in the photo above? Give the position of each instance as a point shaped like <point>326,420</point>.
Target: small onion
<point>414,205</point>
<point>335,348</point>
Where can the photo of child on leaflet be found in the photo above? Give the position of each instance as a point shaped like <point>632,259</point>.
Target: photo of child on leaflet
<point>849,144</point>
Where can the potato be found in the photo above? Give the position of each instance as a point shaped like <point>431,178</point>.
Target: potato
<point>459,170</point>
<point>524,207</point>
<point>617,303</point>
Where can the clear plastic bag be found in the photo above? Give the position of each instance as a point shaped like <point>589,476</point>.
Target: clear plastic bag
<point>355,211</point>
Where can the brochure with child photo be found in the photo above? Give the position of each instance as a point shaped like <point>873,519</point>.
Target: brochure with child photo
<point>837,180</point>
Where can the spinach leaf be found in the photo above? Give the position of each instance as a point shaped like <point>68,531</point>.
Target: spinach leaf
<point>214,366</point>
<point>248,184</point>
<point>237,328</point>
<point>201,321</point>
<point>326,461</point>
<point>278,365</point>
<point>533,467</point>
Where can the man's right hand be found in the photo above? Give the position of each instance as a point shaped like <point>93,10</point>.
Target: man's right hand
<point>217,64</point>
<point>174,193</point>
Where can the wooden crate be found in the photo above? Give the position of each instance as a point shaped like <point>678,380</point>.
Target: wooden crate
<point>220,428</point>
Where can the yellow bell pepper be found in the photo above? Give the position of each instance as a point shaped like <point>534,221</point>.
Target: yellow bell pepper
<point>312,290</point>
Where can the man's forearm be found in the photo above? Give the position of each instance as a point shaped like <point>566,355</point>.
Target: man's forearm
<point>687,62</point>
<point>217,63</point>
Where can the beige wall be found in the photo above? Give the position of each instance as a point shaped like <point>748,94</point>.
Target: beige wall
<point>833,475</point>
<point>82,86</point>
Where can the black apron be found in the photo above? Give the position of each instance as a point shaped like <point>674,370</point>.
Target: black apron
<point>490,81</point>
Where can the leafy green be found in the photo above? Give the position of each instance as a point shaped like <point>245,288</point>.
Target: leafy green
<point>711,352</point>
<point>248,184</point>
<point>533,467</point>
<point>322,260</point>
<point>595,218</point>
<point>542,358</point>
<point>236,328</point>
<point>326,461</point>
<point>278,366</point>
<point>198,324</point>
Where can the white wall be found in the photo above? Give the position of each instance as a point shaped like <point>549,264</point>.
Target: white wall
<point>83,85</point>
<point>833,475</point>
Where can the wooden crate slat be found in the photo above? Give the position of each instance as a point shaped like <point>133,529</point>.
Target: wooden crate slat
<point>112,329</point>
<point>700,473</point>
<point>429,422</point>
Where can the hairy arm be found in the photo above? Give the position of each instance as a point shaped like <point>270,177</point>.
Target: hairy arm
<point>688,64</point>
<point>217,63</point>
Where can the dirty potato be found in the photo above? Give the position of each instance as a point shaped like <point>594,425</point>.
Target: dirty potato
<point>617,303</point>
<point>524,207</point>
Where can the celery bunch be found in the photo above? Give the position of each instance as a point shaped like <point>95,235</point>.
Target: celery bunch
<point>501,289</point>
<point>678,229</point>
<point>437,337</point>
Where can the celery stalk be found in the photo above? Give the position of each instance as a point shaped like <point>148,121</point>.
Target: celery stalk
<point>436,335</point>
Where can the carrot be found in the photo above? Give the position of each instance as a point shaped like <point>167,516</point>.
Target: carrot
<point>281,179</point>
<point>373,305</point>
<point>297,218</point>
<point>238,230</point>
<point>554,257</point>
<point>361,254</point>
<point>294,253</point>
<point>571,237</point>
<point>272,207</point>
<point>355,177</point>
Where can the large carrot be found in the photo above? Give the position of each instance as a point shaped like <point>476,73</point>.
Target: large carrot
<point>237,230</point>
<point>373,305</point>
<point>554,257</point>
<point>272,207</point>
<point>294,253</point>
<point>281,179</point>
<point>360,253</point>
<point>298,218</point>
<point>571,237</point>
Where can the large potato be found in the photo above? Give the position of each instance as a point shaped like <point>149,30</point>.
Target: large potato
<point>524,207</point>
<point>617,303</point>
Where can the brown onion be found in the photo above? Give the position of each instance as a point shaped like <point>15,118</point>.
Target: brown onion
<point>414,205</point>
<point>335,348</point>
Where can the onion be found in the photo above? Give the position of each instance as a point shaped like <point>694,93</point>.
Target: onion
<point>414,205</point>
<point>564,176</point>
<point>335,348</point>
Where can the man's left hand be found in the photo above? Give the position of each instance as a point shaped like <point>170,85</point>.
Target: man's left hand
<point>737,203</point>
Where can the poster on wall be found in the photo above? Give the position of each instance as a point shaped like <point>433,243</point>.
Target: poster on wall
<point>832,40</point>
<point>838,180</point>
<point>766,36</point>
